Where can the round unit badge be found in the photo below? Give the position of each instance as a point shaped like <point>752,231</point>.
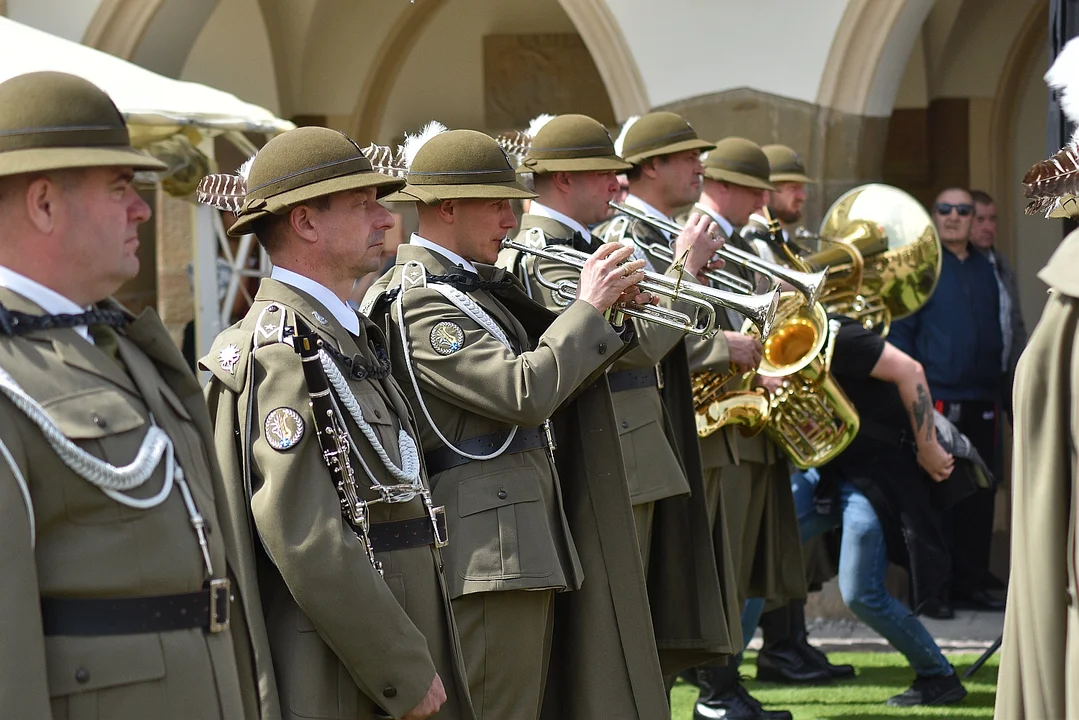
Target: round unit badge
<point>283,428</point>
<point>447,338</point>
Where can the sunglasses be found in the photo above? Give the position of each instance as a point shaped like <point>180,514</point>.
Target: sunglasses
<point>946,209</point>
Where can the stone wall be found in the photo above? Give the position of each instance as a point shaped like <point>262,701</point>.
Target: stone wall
<point>840,150</point>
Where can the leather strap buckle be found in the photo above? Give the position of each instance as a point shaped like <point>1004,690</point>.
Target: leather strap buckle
<point>220,596</point>
<point>441,539</point>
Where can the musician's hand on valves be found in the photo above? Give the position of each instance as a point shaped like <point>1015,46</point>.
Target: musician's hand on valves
<point>698,243</point>
<point>771,384</point>
<point>745,352</point>
<point>607,276</point>
<point>935,460</point>
<point>431,702</point>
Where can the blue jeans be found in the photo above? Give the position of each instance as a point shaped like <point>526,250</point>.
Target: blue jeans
<point>863,562</point>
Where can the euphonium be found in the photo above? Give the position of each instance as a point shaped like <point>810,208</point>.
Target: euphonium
<point>809,417</point>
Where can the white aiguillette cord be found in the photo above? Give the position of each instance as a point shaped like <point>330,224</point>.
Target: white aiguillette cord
<point>112,480</point>
<point>469,307</point>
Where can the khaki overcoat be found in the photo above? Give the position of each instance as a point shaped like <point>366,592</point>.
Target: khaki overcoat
<point>1039,662</point>
<point>87,545</point>
<point>347,643</point>
<point>568,530</point>
<point>755,488</point>
<point>684,590</point>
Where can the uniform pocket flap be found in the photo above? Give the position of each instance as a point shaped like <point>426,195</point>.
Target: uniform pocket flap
<point>491,491</point>
<point>630,414</point>
<point>79,664</point>
<point>94,414</point>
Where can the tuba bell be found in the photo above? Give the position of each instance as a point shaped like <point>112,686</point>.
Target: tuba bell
<point>883,255</point>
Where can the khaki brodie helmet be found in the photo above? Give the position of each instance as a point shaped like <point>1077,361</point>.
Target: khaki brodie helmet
<point>55,121</point>
<point>294,167</point>
<point>454,165</point>
<point>572,143</point>
<point>738,161</point>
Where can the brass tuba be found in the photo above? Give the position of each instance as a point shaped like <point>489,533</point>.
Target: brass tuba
<point>809,415</point>
<point>883,255</point>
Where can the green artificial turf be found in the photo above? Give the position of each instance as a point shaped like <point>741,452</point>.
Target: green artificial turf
<point>880,675</point>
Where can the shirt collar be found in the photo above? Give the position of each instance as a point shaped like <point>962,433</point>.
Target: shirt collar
<point>50,301</point>
<point>541,210</point>
<point>450,255</point>
<point>325,297</point>
<point>635,202</point>
<point>724,223</point>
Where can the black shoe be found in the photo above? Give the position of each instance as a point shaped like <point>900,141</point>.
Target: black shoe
<point>783,663</point>
<point>937,609</point>
<point>735,703</point>
<point>838,672</point>
<point>800,637</point>
<point>936,690</point>
<point>756,705</point>
<point>978,599</point>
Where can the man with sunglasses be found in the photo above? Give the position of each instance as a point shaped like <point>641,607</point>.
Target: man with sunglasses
<point>957,338</point>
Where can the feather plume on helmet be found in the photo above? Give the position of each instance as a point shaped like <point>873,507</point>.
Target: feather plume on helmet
<point>225,191</point>
<point>517,143</point>
<point>1052,185</point>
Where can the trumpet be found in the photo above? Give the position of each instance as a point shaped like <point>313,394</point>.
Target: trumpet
<point>808,284</point>
<point>759,309</point>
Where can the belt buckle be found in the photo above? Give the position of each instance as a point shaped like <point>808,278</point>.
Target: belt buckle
<point>220,595</point>
<point>659,377</point>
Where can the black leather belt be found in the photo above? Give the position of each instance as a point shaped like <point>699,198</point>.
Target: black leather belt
<point>633,379</point>
<point>405,534</point>
<point>443,458</point>
<point>207,609</point>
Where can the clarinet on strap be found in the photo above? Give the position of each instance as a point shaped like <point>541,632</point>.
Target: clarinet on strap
<point>333,438</point>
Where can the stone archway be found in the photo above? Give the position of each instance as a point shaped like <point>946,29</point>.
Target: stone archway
<point>868,54</point>
<point>118,26</point>
<point>391,56</point>
<point>1002,125</point>
<point>611,53</point>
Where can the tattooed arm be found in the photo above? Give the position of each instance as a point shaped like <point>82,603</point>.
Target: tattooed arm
<point>895,366</point>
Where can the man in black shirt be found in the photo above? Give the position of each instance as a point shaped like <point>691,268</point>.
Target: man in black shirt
<point>879,492</point>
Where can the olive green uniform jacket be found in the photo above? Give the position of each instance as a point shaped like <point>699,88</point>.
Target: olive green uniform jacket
<point>1039,663</point>
<point>90,546</point>
<point>516,522</point>
<point>684,589</point>
<point>345,640</point>
<point>762,523</point>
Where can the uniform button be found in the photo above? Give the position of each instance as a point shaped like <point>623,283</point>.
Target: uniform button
<point>82,675</point>
<point>390,692</point>
<point>602,348</point>
<point>378,414</point>
<point>625,424</point>
<point>501,494</point>
<point>99,421</point>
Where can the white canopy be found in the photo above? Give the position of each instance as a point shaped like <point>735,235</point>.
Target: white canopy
<point>145,98</point>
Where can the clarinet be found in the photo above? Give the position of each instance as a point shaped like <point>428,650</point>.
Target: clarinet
<point>333,437</point>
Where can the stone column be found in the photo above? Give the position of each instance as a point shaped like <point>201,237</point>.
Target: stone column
<point>174,225</point>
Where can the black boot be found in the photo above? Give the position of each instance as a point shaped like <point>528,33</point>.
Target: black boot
<point>800,638</point>
<point>723,697</point>
<point>780,659</point>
